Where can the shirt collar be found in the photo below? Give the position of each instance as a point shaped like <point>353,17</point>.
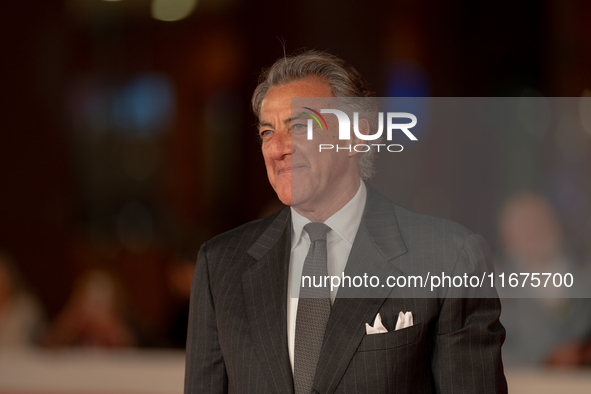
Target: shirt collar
<point>344,223</point>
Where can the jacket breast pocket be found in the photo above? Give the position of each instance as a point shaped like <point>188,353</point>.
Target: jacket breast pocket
<point>392,339</point>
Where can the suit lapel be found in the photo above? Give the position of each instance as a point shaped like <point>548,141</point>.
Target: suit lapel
<point>265,294</point>
<point>377,242</point>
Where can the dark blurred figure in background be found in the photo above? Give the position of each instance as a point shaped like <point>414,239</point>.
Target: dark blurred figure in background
<point>540,321</point>
<point>22,320</point>
<point>180,275</point>
<point>94,316</point>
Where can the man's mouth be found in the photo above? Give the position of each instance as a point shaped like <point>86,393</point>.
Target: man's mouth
<point>291,169</point>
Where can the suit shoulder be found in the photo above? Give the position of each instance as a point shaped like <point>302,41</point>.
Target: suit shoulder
<point>443,241</point>
<point>413,223</point>
<point>226,256</point>
<point>416,225</point>
<point>243,235</point>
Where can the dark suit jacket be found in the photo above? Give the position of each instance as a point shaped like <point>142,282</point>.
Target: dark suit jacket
<point>237,338</point>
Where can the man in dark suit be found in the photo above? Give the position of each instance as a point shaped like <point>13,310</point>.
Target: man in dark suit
<point>248,335</point>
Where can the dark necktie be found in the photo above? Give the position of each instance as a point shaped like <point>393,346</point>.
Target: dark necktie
<point>313,311</point>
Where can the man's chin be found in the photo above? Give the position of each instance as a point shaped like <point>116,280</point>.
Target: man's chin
<point>284,194</point>
<point>293,194</point>
<point>302,202</point>
<point>286,200</point>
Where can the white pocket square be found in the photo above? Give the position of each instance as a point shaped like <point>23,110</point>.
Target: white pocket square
<point>377,328</point>
<point>404,320</point>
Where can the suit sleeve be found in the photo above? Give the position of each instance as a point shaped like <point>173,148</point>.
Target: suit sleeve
<point>467,345</point>
<point>205,371</point>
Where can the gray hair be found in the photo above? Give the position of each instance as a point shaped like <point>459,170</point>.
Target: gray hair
<point>342,78</point>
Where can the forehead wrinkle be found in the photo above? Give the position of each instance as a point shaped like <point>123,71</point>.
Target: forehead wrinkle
<point>288,121</point>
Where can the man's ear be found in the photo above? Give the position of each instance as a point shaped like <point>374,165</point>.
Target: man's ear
<point>363,129</point>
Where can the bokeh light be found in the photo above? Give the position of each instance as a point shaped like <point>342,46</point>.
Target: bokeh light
<point>172,10</point>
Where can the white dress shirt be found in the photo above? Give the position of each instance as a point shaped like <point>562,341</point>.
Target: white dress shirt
<point>339,240</point>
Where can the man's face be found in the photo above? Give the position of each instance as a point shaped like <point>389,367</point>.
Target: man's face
<point>302,176</point>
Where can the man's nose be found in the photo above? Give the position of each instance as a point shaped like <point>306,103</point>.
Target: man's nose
<point>281,146</point>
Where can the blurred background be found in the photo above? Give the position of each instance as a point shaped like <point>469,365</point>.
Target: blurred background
<point>127,140</point>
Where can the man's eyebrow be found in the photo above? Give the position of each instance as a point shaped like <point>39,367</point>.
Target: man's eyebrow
<point>286,121</point>
<point>264,124</point>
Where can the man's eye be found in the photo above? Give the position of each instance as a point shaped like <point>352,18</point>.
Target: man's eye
<point>265,133</point>
<point>298,127</point>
